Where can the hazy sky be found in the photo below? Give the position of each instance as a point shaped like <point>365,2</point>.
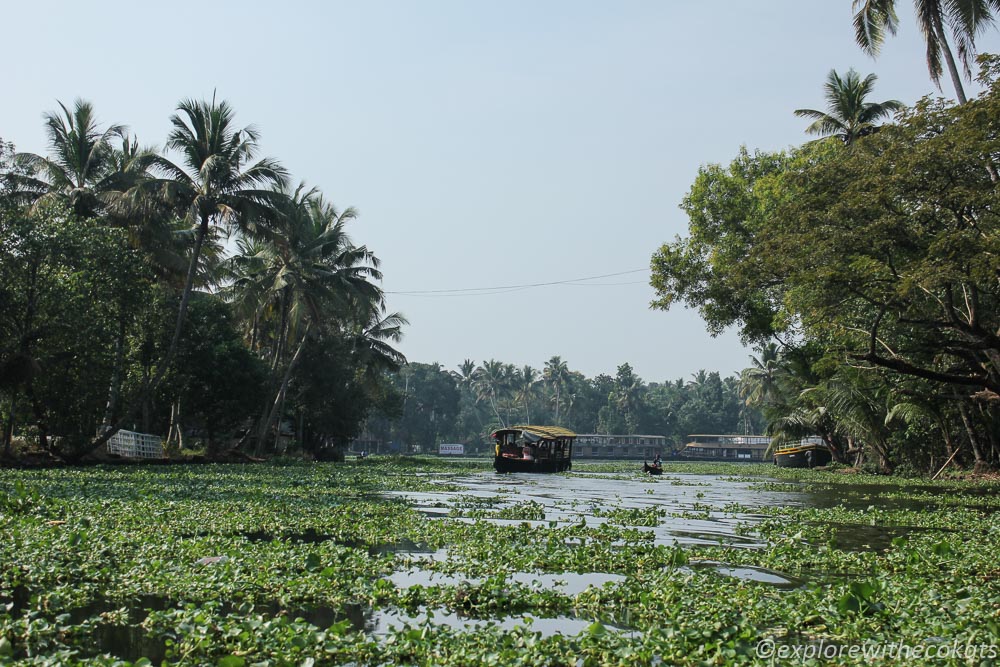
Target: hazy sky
<point>484,143</point>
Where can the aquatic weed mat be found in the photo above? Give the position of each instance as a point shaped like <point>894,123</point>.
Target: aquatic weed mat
<point>337,564</point>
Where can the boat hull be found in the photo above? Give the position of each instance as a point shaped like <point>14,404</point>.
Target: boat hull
<point>803,457</point>
<point>648,469</point>
<point>507,464</point>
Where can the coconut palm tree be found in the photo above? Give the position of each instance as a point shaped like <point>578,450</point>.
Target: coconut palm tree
<point>309,273</point>
<point>216,184</point>
<point>491,382</point>
<point>627,396</point>
<point>465,375</point>
<point>373,352</point>
<point>965,19</point>
<point>79,169</point>
<point>524,384</point>
<point>759,383</point>
<point>555,374</point>
<point>848,115</point>
<point>87,172</point>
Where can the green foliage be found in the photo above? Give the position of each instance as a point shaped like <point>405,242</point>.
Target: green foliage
<point>216,377</point>
<point>102,249</point>
<point>296,564</point>
<point>63,284</point>
<point>881,255</point>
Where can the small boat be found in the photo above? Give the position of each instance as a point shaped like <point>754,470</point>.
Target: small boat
<point>533,449</point>
<point>651,470</point>
<point>807,455</point>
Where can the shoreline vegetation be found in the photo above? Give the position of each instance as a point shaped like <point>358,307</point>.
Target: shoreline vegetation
<point>862,274</point>
<point>862,267</point>
<point>45,461</point>
<point>418,560</point>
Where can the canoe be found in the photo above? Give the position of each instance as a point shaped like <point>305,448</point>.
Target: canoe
<point>651,470</point>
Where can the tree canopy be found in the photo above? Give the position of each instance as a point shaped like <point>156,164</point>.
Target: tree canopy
<point>882,255</point>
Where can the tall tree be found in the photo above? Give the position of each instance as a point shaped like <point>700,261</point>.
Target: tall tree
<point>556,375</point>
<point>848,115</point>
<point>524,385</point>
<point>216,184</point>
<point>627,396</point>
<point>492,381</point>
<point>965,19</point>
<point>79,170</point>
<point>311,272</point>
<point>759,382</point>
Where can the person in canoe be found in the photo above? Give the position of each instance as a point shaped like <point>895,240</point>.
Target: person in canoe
<point>656,468</point>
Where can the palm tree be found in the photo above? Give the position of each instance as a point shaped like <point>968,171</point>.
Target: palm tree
<point>89,174</point>
<point>491,381</point>
<point>216,184</point>
<point>465,375</point>
<point>848,115</point>
<point>80,169</point>
<point>627,396</point>
<point>309,273</point>
<point>373,352</point>
<point>524,384</point>
<point>759,383</point>
<point>965,19</point>
<point>555,375</point>
<point>860,410</point>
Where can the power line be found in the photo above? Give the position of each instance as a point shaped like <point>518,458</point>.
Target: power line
<point>501,289</point>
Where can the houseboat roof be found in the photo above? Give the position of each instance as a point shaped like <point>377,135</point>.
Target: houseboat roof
<point>545,432</point>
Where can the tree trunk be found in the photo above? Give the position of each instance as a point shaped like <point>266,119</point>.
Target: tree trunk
<point>174,341</point>
<point>171,426</point>
<point>557,404</point>
<point>275,408</point>
<point>146,401</point>
<point>949,59</point>
<point>8,427</point>
<point>114,391</point>
<point>39,413</point>
<point>970,430</point>
<point>838,455</point>
<point>176,430</point>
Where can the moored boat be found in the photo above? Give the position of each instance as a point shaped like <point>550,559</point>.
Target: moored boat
<point>727,447</point>
<point>533,449</point>
<point>808,455</point>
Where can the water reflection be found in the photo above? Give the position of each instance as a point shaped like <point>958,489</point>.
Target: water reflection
<point>699,508</point>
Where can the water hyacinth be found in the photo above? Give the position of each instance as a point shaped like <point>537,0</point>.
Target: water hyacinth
<point>418,561</point>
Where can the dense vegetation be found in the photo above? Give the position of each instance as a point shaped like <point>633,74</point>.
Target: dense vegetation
<point>190,292</point>
<point>333,564</point>
<point>865,269</point>
<point>466,404</point>
<point>195,292</point>
<point>206,300</point>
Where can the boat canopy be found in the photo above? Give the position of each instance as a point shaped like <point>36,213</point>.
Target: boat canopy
<point>536,432</point>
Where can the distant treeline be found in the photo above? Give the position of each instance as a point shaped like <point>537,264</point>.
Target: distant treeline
<point>466,403</point>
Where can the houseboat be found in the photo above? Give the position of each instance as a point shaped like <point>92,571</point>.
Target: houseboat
<point>533,449</point>
<point>803,455</point>
<point>703,447</point>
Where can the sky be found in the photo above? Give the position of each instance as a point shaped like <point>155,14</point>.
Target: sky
<point>485,144</point>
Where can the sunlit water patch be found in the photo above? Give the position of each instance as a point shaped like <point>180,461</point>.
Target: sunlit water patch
<point>686,509</point>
